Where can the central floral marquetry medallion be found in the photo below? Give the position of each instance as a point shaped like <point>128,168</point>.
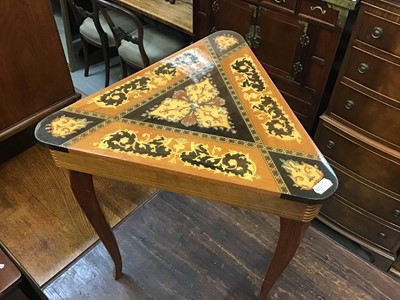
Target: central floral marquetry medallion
<point>198,104</point>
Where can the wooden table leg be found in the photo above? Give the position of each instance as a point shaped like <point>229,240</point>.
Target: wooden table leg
<point>83,189</point>
<point>291,234</point>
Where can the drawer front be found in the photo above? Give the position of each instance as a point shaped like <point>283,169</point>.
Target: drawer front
<point>373,72</point>
<point>364,160</point>
<point>360,225</point>
<point>380,33</point>
<point>280,4</point>
<point>318,11</point>
<point>367,113</point>
<point>366,197</point>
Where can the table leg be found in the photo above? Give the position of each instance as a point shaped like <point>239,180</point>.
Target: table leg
<point>83,189</point>
<point>291,234</point>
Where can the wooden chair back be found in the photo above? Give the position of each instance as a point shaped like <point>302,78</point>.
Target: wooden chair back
<point>136,37</point>
<point>81,10</point>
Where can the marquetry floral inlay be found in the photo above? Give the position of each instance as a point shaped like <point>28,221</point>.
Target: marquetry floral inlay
<point>225,41</point>
<point>198,104</point>
<point>180,151</point>
<point>130,142</point>
<point>304,176</point>
<point>276,121</point>
<point>141,85</point>
<point>62,126</point>
<point>232,163</point>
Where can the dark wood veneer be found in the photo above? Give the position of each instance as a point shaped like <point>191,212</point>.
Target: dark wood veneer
<point>359,133</point>
<point>34,75</point>
<point>284,35</point>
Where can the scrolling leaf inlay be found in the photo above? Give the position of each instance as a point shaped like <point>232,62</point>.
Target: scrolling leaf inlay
<point>143,84</point>
<point>231,163</point>
<point>255,90</point>
<point>127,141</point>
<point>304,176</point>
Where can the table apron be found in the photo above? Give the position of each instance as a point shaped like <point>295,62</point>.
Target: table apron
<point>189,185</point>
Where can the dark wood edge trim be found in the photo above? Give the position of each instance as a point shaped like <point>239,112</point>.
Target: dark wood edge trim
<point>25,123</point>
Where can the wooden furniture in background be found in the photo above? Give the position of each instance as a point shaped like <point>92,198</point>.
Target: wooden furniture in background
<point>10,276</point>
<point>35,80</point>
<point>295,40</point>
<point>144,45</point>
<point>360,134</point>
<point>54,235</point>
<point>15,284</point>
<point>178,16</point>
<point>208,122</point>
<point>89,35</point>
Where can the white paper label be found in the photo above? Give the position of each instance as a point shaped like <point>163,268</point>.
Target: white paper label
<point>322,186</point>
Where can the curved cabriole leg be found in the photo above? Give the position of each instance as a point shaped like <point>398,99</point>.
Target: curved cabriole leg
<point>83,189</point>
<point>291,234</point>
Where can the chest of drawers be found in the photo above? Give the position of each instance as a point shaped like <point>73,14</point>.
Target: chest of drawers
<point>360,134</point>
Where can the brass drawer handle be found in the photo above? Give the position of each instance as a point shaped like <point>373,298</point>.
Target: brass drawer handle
<point>363,68</point>
<point>349,104</point>
<point>215,6</point>
<point>382,235</point>
<point>377,32</point>
<point>330,145</point>
<point>323,11</point>
<point>297,68</point>
<point>396,213</point>
<point>253,37</point>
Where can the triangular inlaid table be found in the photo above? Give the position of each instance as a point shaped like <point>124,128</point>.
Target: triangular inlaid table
<point>206,121</point>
